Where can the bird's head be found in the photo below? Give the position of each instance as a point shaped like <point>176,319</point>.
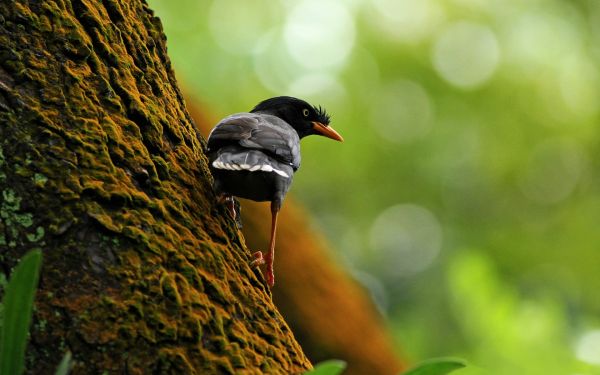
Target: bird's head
<point>303,117</point>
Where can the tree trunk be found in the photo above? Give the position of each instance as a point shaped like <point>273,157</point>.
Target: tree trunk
<point>102,168</point>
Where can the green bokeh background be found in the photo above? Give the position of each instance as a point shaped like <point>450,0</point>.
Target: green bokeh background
<point>466,195</point>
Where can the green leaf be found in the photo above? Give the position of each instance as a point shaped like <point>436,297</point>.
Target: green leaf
<point>18,305</point>
<point>330,367</point>
<point>437,366</point>
<point>65,365</point>
<point>3,281</point>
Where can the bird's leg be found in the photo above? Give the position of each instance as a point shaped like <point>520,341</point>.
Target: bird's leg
<point>270,257</point>
<point>231,206</point>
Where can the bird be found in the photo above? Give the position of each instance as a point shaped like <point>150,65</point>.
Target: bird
<point>254,155</point>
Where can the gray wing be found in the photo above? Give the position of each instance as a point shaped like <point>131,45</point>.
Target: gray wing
<point>266,133</point>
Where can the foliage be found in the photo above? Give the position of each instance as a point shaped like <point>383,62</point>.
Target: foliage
<point>64,367</point>
<point>436,366</point>
<point>331,367</point>
<point>17,309</point>
<point>508,324</point>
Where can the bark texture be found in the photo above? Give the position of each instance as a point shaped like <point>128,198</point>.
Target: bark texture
<point>330,315</point>
<point>102,168</point>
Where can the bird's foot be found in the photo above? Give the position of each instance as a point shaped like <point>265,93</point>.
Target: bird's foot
<point>259,260</point>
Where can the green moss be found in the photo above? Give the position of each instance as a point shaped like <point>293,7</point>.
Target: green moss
<point>45,25</point>
<point>34,75</point>
<point>9,208</point>
<point>238,361</point>
<point>162,168</point>
<point>109,302</point>
<point>170,290</point>
<point>218,323</point>
<point>22,171</point>
<point>16,67</point>
<point>38,235</point>
<point>191,275</point>
<point>266,367</point>
<point>40,180</point>
<point>25,219</point>
<point>106,221</point>
<point>138,309</point>
<point>11,201</point>
<point>173,361</point>
<point>24,13</point>
<point>41,325</point>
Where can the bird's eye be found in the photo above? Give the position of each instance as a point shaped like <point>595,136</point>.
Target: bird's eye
<point>305,112</point>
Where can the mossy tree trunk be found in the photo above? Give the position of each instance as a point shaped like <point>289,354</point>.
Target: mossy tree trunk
<point>102,168</point>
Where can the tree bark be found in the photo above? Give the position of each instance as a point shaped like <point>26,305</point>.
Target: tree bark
<point>102,168</point>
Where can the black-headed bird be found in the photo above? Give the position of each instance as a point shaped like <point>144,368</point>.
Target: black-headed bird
<point>255,154</point>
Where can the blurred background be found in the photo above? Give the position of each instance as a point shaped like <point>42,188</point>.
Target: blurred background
<point>466,196</point>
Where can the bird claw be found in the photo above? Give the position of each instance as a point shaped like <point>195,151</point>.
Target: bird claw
<point>270,277</point>
<point>259,260</point>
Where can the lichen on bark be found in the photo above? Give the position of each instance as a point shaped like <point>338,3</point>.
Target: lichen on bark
<point>102,168</point>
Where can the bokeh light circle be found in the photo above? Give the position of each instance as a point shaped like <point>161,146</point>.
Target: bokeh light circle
<point>538,38</point>
<point>408,20</point>
<point>466,54</point>
<point>588,347</point>
<point>317,85</point>
<point>273,65</point>
<point>553,171</point>
<point>319,33</point>
<point>407,237</point>
<point>251,21</point>
<point>579,82</point>
<point>403,112</point>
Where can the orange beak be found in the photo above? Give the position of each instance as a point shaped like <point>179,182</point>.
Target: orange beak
<point>327,131</point>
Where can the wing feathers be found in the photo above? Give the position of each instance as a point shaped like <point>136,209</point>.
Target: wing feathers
<point>258,131</point>
<point>250,160</point>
